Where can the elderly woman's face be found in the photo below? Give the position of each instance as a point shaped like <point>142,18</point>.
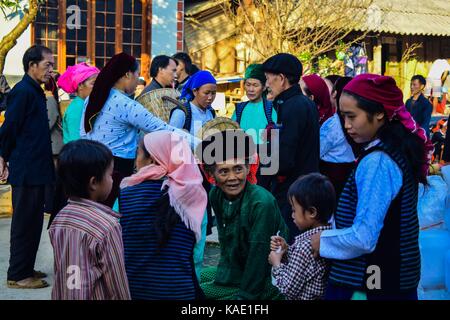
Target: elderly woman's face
<point>230,177</point>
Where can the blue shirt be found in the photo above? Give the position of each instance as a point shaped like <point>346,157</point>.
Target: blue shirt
<point>199,118</point>
<point>118,124</point>
<point>378,181</point>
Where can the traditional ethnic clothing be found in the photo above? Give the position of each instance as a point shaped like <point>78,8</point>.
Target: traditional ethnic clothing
<point>76,75</point>
<point>193,117</point>
<point>153,272</point>
<point>167,272</point>
<point>196,81</point>
<point>385,235</point>
<point>175,161</point>
<point>255,71</point>
<point>284,63</point>
<point>69,82</point>
<point>244,227</point>
<point>253,117</point>
<point>338,150</point>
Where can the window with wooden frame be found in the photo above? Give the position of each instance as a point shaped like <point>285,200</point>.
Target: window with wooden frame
<point>76,38</point>
<point>105,31</point>
<point>46,27</point>
<point>106,28</point>
<point>132,28</point>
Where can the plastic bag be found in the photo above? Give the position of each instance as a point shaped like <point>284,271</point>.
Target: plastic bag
<point>446,175</point>
<point>434,244</point>
<point>431,203</point>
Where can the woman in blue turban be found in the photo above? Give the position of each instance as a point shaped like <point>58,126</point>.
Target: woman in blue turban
<point>199,93</point>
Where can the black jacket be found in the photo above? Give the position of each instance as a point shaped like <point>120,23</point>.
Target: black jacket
<point>298,118</point>
<point>25,136</point>
<point>152,86</point>
<point>420,111</point>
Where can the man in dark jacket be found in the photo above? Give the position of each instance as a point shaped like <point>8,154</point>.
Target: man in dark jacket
<point>163,71</point>
<point>298,122</point>
<point>419,106</point>
<point>26,146</point>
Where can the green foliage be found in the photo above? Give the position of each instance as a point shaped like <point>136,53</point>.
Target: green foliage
<point>12,8</point>
<point>323,65</point>
<point>326,66</point>
<point>8,5</point>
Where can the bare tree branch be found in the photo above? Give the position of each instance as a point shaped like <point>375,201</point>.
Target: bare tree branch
<point>311,27</point>
<point>409,53</point>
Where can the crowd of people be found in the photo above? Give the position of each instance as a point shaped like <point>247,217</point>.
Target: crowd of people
<point>132,197</point>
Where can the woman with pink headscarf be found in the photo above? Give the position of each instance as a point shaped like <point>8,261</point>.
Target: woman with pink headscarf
<point>163,210</point>
<point>78,79</point>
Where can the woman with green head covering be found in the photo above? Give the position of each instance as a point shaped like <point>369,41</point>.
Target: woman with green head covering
<point>257,113</point>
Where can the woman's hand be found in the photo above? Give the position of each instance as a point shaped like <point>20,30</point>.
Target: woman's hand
<point>315,244</point>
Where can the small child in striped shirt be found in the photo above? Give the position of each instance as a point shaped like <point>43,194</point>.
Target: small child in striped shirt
<point>86,235</point>
<point>296,273</point>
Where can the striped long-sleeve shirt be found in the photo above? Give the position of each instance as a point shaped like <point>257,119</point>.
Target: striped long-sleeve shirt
<point>88,253</point>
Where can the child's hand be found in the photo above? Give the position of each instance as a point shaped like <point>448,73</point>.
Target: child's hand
<point>277,242</point>
<point>275,258</point>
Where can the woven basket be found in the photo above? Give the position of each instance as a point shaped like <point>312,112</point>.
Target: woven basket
<point>215,125</point>
<point>160,102</point>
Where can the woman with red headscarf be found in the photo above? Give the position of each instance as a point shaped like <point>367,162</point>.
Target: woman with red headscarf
<point>315,88</point>
<point>375,247</point>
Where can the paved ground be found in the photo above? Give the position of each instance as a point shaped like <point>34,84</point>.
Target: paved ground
<point>44,263</point>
